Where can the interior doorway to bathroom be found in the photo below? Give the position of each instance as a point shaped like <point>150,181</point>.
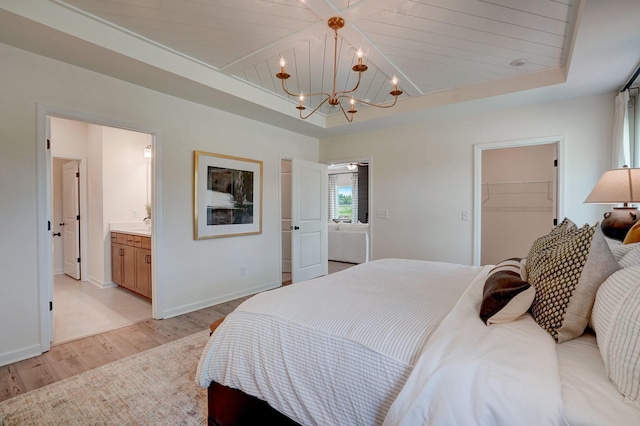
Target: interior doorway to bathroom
<point>99,175</point>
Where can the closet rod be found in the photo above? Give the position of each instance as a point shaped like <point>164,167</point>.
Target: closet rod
<point>631,80</point>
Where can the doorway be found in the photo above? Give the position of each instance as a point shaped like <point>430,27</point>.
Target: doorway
<point>518,196</point>
<point>99,175</point>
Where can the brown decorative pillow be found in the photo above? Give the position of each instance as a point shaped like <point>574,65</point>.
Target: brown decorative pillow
<point>566,274</point>
<point>506,296</point>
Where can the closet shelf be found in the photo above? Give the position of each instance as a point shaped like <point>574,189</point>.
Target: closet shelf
<point>534,195</point>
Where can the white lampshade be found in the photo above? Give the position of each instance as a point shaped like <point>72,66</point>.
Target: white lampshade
<point>617,186</point>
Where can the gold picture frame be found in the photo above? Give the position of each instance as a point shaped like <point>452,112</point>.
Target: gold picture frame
<point>227,196</point>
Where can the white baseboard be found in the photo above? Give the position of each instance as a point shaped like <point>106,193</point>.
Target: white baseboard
<point>58,271</point>
<point>185,309</point>
<point>101,284</point>
<point>20,354</point>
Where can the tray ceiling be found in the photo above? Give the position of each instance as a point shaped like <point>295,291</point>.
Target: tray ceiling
<point>431,46</point>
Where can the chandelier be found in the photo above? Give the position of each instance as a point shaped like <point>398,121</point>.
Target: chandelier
<point>335,98</point>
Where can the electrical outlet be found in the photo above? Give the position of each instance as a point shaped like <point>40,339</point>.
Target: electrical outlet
<point>243,270</point>
<point>134,214</point>
<point>382,213</point>
<point>465,215</point>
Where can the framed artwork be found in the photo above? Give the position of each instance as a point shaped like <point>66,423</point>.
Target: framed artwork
<point>227,196</point>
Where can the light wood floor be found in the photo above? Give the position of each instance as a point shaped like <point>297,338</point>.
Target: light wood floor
<point>68,359</point>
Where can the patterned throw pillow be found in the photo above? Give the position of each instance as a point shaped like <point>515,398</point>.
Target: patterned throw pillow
<point>506,295</point>
<point>548,240</point>
<point>616,320</point>
<point>566,273</point>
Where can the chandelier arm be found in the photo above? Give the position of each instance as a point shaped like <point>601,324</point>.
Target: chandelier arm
<point>349,119</point>
<point>395,100</point>
<point>315,109</point>
<point>344,92</point>
<point>303,94</point>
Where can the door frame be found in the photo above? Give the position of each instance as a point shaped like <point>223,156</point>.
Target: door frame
<point>368,160</point>
<point>44,213</point>
<point>478,148</point>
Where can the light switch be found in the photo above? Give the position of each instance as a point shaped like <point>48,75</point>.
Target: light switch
<point>384,213</point>
<point>465,215</point>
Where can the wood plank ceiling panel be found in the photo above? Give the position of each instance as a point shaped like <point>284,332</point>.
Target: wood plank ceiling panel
<point>217,26</point>
<point>431,45</point>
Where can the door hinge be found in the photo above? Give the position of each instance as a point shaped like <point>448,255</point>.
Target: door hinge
<point>77,174</point>
<point>48,144</point>
<point>50,305</point>
<point>48,225</point>
<point>77,217</point>
<point>78,260</point>
<point>555,222</point>
<point>555,163</point>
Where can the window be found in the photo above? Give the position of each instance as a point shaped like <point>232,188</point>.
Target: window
<point>345,202</point>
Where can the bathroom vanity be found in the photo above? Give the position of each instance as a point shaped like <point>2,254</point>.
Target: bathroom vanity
<point>131,259</point>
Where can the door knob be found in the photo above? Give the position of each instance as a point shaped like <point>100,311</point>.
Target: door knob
<point>57,234</point>
<point>61,224</point>
<point>294,228</point>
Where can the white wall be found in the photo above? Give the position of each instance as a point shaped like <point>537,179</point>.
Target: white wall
<point>191,274</point>
<point>423,174</point>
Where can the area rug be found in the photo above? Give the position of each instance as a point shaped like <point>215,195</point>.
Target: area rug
<point>155,387</point>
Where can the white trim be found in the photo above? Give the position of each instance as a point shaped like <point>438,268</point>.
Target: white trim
<point>477,180</point>
<point>43,185</point>
<point>21,354</point>
<point>191,307</point>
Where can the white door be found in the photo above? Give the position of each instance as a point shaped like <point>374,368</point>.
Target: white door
<point>308,220</point>
<point>71,219</point>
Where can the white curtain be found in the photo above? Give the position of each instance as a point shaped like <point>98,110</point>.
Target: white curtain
<point>621,154</point>
<point>354,197</point>
<point>332,197</point>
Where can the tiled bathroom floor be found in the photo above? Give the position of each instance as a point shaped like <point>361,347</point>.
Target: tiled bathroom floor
<point>82,309</point>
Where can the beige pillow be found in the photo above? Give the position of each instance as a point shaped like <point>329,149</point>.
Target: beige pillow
<point>566,273</point>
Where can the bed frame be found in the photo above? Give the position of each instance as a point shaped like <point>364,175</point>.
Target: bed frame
<point>231,407</point>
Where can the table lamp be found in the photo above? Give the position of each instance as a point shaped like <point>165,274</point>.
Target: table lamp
<point>617,186</point>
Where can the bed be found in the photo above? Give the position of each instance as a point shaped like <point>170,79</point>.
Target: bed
<point>401,342</point>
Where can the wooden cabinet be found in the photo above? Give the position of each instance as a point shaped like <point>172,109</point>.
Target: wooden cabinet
<point>131,262</point>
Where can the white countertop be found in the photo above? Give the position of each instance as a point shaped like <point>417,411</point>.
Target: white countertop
<point>134,228</point>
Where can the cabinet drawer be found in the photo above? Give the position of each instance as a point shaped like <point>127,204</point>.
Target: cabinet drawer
<point>145,243</point>
<point>125,239</point>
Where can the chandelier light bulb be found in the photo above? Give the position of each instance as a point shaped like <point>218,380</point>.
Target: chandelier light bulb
<point>359,53</point>
<point>282,62</point>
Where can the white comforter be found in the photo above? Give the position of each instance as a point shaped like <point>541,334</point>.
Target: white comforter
<point>338,349</point>
<point>471,374</point>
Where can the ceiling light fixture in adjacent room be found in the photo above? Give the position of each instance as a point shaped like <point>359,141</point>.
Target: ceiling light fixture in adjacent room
<point>335,98</point>
<point>352,166</point>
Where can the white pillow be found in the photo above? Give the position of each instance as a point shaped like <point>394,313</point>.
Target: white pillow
<point>616,321</point>
<point>618,249</point>
<point>632,258</point>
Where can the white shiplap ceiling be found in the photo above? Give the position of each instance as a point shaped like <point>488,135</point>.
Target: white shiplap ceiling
<point>430,45</point>
<point>450,56</point>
